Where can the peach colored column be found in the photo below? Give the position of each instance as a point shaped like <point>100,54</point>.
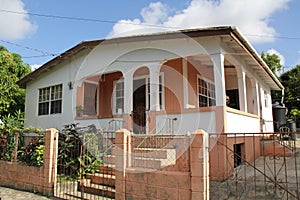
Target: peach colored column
<point>127,118</point>
<point>122,151</point>
<point>151,122</point>
<point>50,161</point>
<point>199,161</point>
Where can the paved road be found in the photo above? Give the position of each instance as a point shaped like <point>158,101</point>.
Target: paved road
<point>8,193</point>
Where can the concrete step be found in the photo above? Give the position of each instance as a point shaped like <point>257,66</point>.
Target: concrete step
<point>95,189</point>
<point>274,148</point>
<point>107,169</point>
<point>147,163</point>
<point>151,153</point>
<point>79,195</point>
<point>109,160</point>
<point>102,179</point>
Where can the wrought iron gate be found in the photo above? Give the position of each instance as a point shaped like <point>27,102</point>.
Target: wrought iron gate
<point>254,166</point>
<point>85,168</point>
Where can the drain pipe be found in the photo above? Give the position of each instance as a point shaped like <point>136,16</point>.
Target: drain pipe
<point>282,96</point>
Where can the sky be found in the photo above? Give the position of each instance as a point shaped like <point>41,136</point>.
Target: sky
<point>40,30</point>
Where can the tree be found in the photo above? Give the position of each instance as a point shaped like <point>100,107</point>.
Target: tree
<point>273,61</point>
<point>12,69</point>
<point>290,81</point>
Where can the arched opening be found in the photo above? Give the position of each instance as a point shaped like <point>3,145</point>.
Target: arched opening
<point>140,100</point>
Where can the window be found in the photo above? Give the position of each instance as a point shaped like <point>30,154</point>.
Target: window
<point>119,96</point>
<point>90,98</point>
<point>206,93</point>
<point>266,99</point>
<point>50,100</point>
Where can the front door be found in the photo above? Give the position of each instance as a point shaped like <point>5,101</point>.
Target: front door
<point>139,106</point>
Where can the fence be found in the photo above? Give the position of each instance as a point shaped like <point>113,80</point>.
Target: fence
<point>254,166</point>
<point>122,165</point>
<point>35,179</point>
<point>81,170</point>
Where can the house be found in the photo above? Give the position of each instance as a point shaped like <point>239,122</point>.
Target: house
<point>179,81</point>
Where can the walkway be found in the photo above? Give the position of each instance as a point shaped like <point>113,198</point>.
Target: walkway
<point>8,193</point>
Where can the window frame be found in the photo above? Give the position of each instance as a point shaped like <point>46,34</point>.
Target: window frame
<point>114,108</point>
<point>210,89</point>
<point>50,100</point>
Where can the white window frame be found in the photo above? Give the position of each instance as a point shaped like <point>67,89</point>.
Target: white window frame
<point>207,90</point>
<point>114,98</point>
<point>97,103</point>
<point>162,92</point>
<point>50,100</point>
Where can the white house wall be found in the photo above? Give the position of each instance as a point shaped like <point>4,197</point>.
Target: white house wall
<point>61,74</point>
<point>266,109</point>
<point>237,123</point>
<point>188,122</point>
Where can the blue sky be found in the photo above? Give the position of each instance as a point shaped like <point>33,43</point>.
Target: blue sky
<point>267,24</point>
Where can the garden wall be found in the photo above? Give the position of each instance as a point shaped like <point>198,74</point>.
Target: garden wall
<point>33,179</point>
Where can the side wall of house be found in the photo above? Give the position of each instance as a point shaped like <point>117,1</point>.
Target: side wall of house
<point>63,73</point>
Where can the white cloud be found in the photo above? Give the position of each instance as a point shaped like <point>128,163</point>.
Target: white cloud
<point>252,17</point>
<point>156,13</point>
<point>14,26</point>
<point>35,66</point>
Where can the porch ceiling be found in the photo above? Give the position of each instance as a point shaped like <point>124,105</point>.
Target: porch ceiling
<point>250,57</point>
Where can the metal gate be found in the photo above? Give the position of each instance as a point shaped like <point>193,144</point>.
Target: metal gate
<point>254,166</point>
<point>85,165</point>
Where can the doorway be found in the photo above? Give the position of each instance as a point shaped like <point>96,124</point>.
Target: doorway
<point>237,154</point>
<point>139,106</point>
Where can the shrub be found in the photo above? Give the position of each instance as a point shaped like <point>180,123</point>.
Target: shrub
<point>33,153</point>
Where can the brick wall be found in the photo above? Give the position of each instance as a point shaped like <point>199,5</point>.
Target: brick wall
<point>34,179</point>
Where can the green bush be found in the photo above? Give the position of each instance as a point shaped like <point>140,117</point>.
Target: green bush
<point>33,153</point>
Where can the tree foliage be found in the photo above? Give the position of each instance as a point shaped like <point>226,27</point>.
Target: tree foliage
<point>12,69</point>
<point>273,61</point>
<point>290,81</point>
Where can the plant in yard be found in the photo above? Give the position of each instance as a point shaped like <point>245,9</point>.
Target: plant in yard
<point>33,153</point>
<point>89,165</point>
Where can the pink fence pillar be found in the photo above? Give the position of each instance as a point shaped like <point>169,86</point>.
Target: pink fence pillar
<point>122,150</point>
<point>50,161</point>
<point>199,162</point>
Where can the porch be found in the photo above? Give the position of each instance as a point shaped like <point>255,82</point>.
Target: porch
<point>175,95</point>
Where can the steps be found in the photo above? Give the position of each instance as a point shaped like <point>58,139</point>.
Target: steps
<point>274,148</point>
<point>100,184</point>
<point>154,158</point>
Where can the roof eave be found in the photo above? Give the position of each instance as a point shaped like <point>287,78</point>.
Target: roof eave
<point>58,59</point>
<point>264,66</point>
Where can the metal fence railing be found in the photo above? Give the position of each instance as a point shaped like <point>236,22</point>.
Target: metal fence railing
<point>254,166</point>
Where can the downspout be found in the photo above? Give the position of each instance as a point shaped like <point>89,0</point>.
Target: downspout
<point>282,96</point>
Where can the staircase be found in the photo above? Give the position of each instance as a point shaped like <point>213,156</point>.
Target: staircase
<point>99,184</point>
<point>103,183</point>
<point>153,158</point>
<point>276,148</point>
